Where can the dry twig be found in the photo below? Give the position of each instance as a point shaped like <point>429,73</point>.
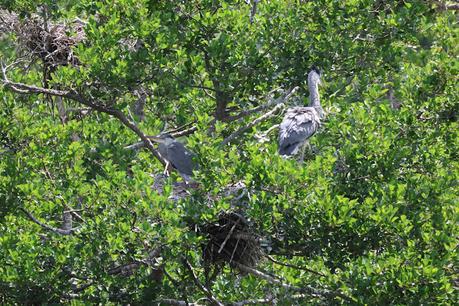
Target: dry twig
<point>75,96</point>
<point>47,227</point>
<point>259,119</point>
<point>204,289</point>
<point>307,289</point>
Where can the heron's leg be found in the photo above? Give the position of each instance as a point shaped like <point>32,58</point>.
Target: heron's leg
<point>304,147</point>
<point>301,156</point>
<point>166,168</point>
<point>186,178</point>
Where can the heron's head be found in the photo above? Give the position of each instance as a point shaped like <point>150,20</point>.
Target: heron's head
<point>163,138</point>
<point>314,75</point>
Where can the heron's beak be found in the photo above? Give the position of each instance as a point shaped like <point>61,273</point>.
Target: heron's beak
<point>156,139</point>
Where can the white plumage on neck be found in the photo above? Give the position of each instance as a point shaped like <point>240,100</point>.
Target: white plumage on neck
<point>314,99</point>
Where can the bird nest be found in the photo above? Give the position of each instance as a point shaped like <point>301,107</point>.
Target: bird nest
<point>231,240</point>
<point>42,39</point>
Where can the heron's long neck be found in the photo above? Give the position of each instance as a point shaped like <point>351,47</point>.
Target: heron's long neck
<point>314,99</point>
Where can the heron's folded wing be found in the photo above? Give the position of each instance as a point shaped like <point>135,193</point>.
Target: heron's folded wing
<point>181,158</point>
<point>298,125</point>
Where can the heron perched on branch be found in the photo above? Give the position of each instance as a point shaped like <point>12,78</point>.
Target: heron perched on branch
<point>300,123</point>
<point>176,155</point>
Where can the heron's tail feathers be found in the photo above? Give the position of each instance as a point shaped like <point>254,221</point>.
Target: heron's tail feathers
<point>290,149</point>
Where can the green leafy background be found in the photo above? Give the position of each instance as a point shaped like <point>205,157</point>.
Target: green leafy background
<point>374,207</point>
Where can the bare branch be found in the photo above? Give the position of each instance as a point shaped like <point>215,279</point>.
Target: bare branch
<point>259,108</point>
<point>186,132</point>
<point>135,146</point>
<point>263,137</point>
<point>253,12</point>
<point>307,289</point>
<point>259,119</point>
<point>175,302</point>
<point>293,266</point>
<point>130,268</point>
<point>47,227</point>
<point>141,144</point>
<point>271,301</point>
<point>75,96</point>
<point>204,289</point>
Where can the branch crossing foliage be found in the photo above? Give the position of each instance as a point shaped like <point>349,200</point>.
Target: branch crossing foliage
<point>368,216</point>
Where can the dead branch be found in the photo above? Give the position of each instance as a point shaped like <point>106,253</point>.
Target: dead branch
<point>135,146</point>
<point>204,289</point>
<point>307,289</point>
<point>179,132</point>
<point>293,266</point>
<point>253,12</point>
<point>130,268</point>
<point>263,137</point>
<point>175,134</point>
<point>259,119</point>
<point>75,96</point>
<point>47,227</point>
<point>259,108</point>
<point>175,302</point>
<point>271,301</point>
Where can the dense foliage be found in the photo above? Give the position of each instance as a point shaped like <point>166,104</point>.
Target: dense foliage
<point>369,217</point>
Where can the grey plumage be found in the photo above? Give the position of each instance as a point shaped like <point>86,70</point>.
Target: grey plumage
<point>300,123</point>
<point>176,154</point>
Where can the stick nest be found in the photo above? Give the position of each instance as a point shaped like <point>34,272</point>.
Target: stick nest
<point>231,240</point>
<point>41,39</point>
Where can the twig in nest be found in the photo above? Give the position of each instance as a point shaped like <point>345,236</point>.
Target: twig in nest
<point>230,239</point>
<point>228,236</point>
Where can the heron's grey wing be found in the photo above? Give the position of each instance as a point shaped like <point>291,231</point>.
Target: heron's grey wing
<point>298,125</point>
<point>180,158</point>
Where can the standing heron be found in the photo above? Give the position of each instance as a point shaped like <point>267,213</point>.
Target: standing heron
<point>176,155</point>
<point>300,123</point>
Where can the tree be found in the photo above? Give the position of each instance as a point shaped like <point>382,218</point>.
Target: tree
<point>370,217</point>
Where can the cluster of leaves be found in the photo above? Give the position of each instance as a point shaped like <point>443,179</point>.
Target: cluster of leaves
<point>373,208</point>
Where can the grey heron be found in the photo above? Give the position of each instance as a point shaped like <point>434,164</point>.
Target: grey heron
<point>300,122</point>
<point>176,155</point>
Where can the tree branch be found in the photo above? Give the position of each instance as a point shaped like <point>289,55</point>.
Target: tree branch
<point>259,108</point>
<point>308,289</point>
<point>47,227</point>
<point>175,302</point>
<point>293,266</point>
<point>204,289</point>
<point>259,119</point>
<point>75,96</point>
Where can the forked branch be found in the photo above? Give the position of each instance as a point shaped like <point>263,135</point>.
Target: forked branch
<point>47,227</point>
<point>26,89</point>
<point>306,289</point>
<point>204,289</point>
<point>263,117</point>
